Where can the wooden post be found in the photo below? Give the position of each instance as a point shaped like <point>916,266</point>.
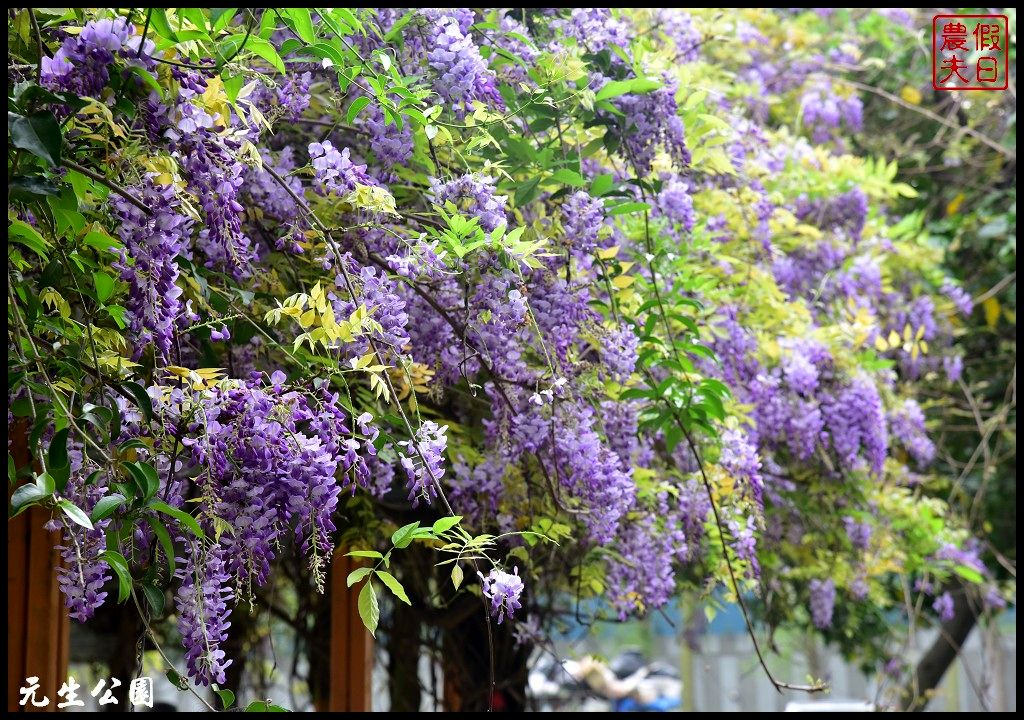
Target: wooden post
<point>351,644</point>
<point>37,621</point>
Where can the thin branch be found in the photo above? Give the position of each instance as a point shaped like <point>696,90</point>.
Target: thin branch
<point>995,289</point>
<point>39,43</point>
<point>1010,154</point>
<point>103,180</point>
<point>145,30</point>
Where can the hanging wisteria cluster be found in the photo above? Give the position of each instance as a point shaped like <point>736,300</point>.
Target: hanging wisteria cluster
<point>477,264</point>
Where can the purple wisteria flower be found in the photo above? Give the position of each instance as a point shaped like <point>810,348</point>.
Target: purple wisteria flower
<point>423,461</point>
<point>83,574</point>
<point>858,532</point>
<point>943,607</point>
<point>462,73</point>
<point>907,425</point>
<point>582,218</point>
<point>152,241</point>
<point>203,610</point>
<point>823,599</point>
<point>475,194</point>
<point>81,64</point>
<point>619,353</point>
<point>503,590</point>
<point>675,203</point>
<point>334,172</point>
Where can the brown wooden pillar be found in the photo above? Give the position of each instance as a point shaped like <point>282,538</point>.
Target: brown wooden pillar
<point>351,644</point>
<point>37,621</point>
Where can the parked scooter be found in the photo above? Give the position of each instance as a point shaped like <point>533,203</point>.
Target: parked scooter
<point>628,685</point>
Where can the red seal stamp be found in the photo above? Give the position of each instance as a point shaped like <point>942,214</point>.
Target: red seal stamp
<point>970,52</point>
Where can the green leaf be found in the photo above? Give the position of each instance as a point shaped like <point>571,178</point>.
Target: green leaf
<point>104,286</point>
<point>457,575</point>
<point>220,17</point>
<point>369,611</point>
<point>196,17</point>
<point>266,51</point>
<point>397,27</point>
<point>403,535</point>
<point>175,679</point>
<point>57,454</point>
<point>628,207</point>
<point>148,78</point>
<point>182,517</point>
<point>106,506</point>
<point>396,587</point>
<point>336,25</point>
<point>59,474</point>
<point>446,524</point>
<point>714,406</point>
<point>641,86</point>
<point>75,513</point>
<point>565,176</point>
<point>38,133</point>
<point>31,188</point>
<point>227,698</point>
<point>69,222</point>
<point>117,313</point>
<point>365,554</point>
<point>28,236</point>
<point>968,573</point>
<point>146,479</point>
<point>263,706</point>
<point>142,399</point>
<point>233,85</point>
<point>132,444</point>
<point>303,23</point>
<point>124,576</point>
<point>155,598</point>
<point>27,495</point>
<point>695,99</point>
<point>621,87</point>
<point>164,538</point>
<point>324,50</point>
<point>357,575</point>
<point>358,104</point>
<point>602,184</point>
<point>101,241</point>
<point>672,437</point>
<point>349,19</point>
<point>526,192</point>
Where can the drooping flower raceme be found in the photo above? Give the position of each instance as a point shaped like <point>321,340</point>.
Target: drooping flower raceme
<point>462,74</point>
<point>907,425</point>
<point>823,599</point>
<point>943,607</point>
<point>334,171</point>
<point>83,573</point>
<point>503,590</point>
<point>476,195</point>
<point>423,461</point>
<point>582,218</point>
<point>151,242</point>
<point>81,64</point>
<point>203,607</point>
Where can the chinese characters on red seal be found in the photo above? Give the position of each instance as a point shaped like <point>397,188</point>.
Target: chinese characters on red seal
<point>970,52</point>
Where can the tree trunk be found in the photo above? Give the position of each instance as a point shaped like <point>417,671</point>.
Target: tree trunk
<point>933,665</point>
<point>467,674</point>
<point>239,647</point>
<point>123,658</point>
<point>403,645</point>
